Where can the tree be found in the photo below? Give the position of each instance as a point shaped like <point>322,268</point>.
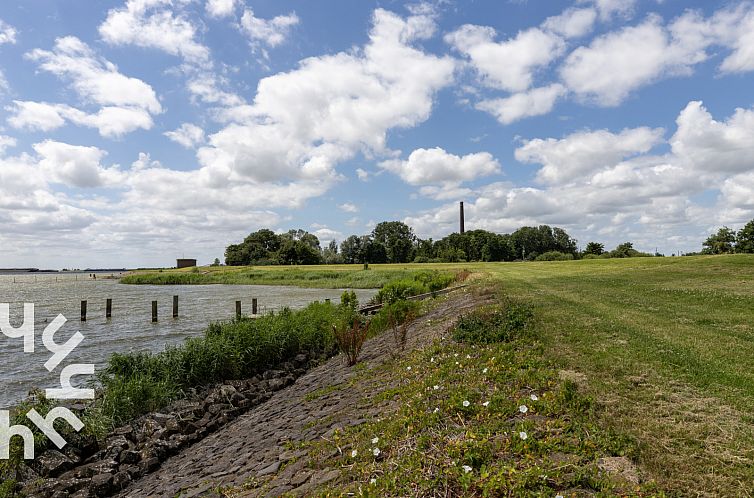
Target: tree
<point>216,262</point>
<point>352,250</point>
<point>745,239</point>
<point>624,250</point>
<point>595,248</point>
<point>330,254</point>
<point>299,235</point>
<point>723,242</point>
<point>564,242</point>
<point>297,252</point>
<point>398,240</point>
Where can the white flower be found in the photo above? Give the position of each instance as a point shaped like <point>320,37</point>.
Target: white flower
<point>375,440</point>
<point>354,453</point>
<point>432,359</point>
<point>466,469</point>
<point>523,435</point>
<point>436,410</point>
<point>456,355</point>
<point>408,368</point>
<point>484,371</point>
<point>493,358</point>
<point>468,356</point>
<point>486,403</point>
<point>435,387</point>
<point>376,452</point>
<point>534,397</point>
<point>466,403</point>
<point>456,363</point>
<point>373,481</point>
<point>523,409</point>
<point>559,496</point>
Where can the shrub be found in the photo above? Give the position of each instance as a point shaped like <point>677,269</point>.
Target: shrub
<point>350,339</point>
<point>489,326</point>
<point>421,283</point>
<point>554,256</point>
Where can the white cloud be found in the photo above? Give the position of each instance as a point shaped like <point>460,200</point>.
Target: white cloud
<point>189,135</point>
<point>221,8</point>
<point>7,33</point>
<point>304,122</point>
<point>712,146</point>
<point>271,32</point>
<point>110,121</point>
<point>535,102</point>
<point>5,143</point>
<point>362,174</point>
<point>95,80</point>
<point>572,23</point>
<point>152,24</point>
<point>734,28</point>
<point>74,165</point>
<point>570,158</point>
<point>616,64</point>
<point>349,207</point>
<point>433,166</point>
<point>507,65</point>
<point>610,8</point>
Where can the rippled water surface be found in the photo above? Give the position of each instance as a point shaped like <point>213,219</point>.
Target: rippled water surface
<point>130,328</point>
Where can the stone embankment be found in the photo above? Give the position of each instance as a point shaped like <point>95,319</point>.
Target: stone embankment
<point>244,435</point>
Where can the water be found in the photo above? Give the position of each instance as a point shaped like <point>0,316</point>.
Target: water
<point>130,328</point>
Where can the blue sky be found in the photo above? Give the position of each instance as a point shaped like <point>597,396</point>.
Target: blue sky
<point>133,132</point>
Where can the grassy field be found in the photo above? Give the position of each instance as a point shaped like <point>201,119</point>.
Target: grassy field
<point>665,347</point>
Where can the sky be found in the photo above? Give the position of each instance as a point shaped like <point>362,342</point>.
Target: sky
<point>136,132</point>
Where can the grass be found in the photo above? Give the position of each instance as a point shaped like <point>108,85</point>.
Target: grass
<point>665,345</point>
<point>481,417</point>
<point>323,277</point>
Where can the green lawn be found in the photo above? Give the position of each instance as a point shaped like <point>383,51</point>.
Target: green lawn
<point>666,346</point>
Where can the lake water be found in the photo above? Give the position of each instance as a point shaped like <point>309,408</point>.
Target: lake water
<point>130,328</point>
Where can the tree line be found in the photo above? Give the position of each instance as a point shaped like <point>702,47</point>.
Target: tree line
<point>728,241</point>
<point>395,242</point>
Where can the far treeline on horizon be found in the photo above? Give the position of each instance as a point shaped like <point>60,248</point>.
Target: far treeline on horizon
<point>395,242</point>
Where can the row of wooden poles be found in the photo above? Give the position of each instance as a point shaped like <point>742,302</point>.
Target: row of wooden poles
<point>109,308</point>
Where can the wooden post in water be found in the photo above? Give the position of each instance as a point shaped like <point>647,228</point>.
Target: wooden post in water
<point>154,311</point>
<point>109,309</point>
<point>238,309</point>
<point>254,306</point>
<point>83,311</point>
<point>175,306</point>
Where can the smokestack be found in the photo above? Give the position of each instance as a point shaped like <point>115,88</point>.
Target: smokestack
<point>462,229</point>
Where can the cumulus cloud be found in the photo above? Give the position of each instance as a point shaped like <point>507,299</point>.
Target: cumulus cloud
<point>153,24</point>
<point>221,8</point>
<point>349,207</point>
<point>270,32</point>
<point>189,135</point>
<point>95,80</point>
<point>510,64</point>
<point>304,122</point>
<point>433,166</point>
<point>110,121</point>
<point>609,8</point>
<point>567,159</point>
<point>535,102</point>
<point>74,165</point>
<point>572,23</point>
<point>7,33</point>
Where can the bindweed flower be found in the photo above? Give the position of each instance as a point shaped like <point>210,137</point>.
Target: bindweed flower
<point>468,356</point>
<point>466,469</point>
<point>435,387</point>
<point>523,435</point>
<point>534,397</point>
<point>354,453</point>
<point>484,371</point>
<point>373,481</point>
<point>559,496</point>
<point>408,368</point>
<point>436,410</point>
<point>375,440</point>
<point>456,355</point>
<point>376,452</point>
<point>486,403</point>
<point>523,408</point>
<point>466,403</point>
<point>432,359</point>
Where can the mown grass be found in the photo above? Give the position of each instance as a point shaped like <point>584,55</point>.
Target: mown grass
<point>323,277</point>
<point>488,416</point>
<point>665,345</point>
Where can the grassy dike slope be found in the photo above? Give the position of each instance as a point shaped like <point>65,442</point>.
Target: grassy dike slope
<point>666,347</point>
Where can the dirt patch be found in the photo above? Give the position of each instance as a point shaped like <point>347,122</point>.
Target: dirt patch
<point>620,469</point>
<point>572,375</point>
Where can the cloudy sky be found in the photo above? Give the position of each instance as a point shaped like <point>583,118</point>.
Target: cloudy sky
<point>136,131</point>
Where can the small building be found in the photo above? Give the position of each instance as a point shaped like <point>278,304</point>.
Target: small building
<point>185,263</point>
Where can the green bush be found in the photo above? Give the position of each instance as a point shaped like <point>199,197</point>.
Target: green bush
<point>134,384</point>
<point>421,283</point>
<point>554,256</point>
<point>490,326</point>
